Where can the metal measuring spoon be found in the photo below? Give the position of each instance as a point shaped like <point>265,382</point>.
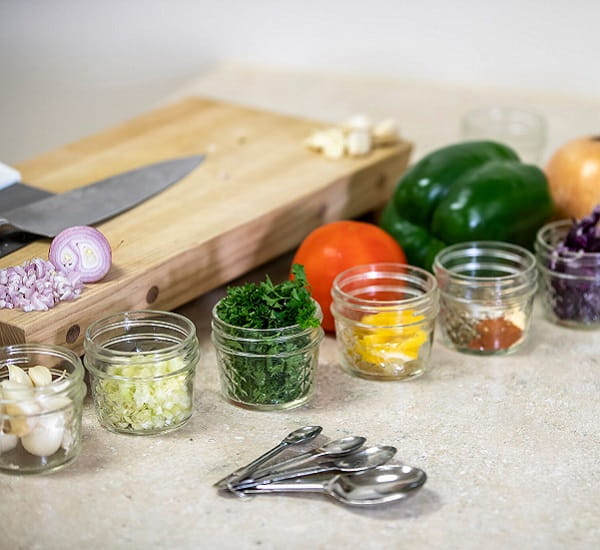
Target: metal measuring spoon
<point>339,447</point>
<point>371,457</point>
<point>300,435</point>
<point>378,485</point>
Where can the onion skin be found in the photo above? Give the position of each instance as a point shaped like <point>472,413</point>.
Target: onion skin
<point>84,250</point>
<point>573,174</point>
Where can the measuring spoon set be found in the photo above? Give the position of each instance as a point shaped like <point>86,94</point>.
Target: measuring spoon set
<point>343,469</point>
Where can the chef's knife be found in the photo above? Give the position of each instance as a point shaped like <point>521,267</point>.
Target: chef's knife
<point>87,205</point>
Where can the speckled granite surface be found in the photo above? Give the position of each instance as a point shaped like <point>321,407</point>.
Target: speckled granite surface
<point>510,444</point>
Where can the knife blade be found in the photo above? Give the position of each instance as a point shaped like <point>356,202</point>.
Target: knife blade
<point>18,194</point>
<point>13,192</point>
<point>90,204</point>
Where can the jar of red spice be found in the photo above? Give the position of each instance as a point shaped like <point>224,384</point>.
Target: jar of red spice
<point>486,296</point>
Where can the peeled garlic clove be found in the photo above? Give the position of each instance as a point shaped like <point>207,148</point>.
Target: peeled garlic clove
<point>15,391</point>
<point>17,374</point>
<point>22,417</point>
<point>323,140</point>
<point>359,122</point>
<point>311,143</point>
<point>40,376</point>
<point>335,144</point>
<point>7,442</point>
<point>50,403</point>
<point>316,141</point>
<point>386,132</point>
<point>46,437</point>
<point>358,142</point>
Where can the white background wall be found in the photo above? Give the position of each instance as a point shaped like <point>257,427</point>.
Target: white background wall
<point>70,67</point>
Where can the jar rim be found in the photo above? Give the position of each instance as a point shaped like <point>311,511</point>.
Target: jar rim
<point>73,380</point>
<point>128,317</point>
<point>133,318</point>
<point>290,331</point>
<point>503,113</point>
<point>452,251</point>
<point>561,228</point>
<point>378,270</point>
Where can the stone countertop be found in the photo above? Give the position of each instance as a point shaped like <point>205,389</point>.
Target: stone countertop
<point>510,444</point>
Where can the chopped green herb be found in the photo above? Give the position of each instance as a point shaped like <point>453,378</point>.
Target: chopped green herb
<point>269,369</point>
<point>269,305</point>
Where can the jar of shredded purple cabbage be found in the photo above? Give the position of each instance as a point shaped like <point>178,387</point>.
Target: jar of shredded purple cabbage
<point>568,257</point>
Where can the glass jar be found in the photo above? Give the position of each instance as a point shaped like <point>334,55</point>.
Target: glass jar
<point>142,366</point>
<point>520,128</point>
<point>570,281</point>
<point>266,369</point>
<point>486,296</point>
<point>41,403</point>
<point>384,320</point>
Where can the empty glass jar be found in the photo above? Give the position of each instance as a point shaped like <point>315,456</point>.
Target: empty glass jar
<point>142,366</point>
<point>570,281</point>
<point>266,369</point>
<point>522,129</point>
<point>384,320</point>
<point>486,296</point>
<point>41,401</point>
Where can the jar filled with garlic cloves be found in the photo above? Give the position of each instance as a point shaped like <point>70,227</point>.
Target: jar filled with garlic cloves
<point>41,401</point>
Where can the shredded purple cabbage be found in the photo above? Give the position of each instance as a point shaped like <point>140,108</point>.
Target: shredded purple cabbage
<point>577,298</point>
<point>584,236</point>
<point>37,285</point>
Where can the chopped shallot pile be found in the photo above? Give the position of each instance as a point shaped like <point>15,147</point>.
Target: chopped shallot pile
<point>36,285</point>
<point>78,254</point>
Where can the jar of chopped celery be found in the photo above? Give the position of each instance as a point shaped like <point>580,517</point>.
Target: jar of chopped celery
<point>142,366</point>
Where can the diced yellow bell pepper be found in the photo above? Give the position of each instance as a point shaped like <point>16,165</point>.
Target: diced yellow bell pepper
<point>389,340</point>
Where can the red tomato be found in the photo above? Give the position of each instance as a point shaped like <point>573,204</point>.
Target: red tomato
<point>337,246</point>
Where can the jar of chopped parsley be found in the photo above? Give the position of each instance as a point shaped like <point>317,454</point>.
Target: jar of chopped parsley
<point>142,366</point>
<point>267,339</point>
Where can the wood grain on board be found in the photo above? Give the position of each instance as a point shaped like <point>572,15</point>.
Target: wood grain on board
<point>257,195</point>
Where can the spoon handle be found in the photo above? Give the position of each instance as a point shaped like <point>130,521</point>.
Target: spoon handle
<point>294,486</point>
<point>292,462</point>
<point>245,471</point>
<point>283,476</point>
<point>301,435</point>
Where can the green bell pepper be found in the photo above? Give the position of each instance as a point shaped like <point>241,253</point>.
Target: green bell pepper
<point>476,190</point>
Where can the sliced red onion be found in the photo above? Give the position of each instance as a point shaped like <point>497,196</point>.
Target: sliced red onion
<point>82,249</point>
<point>36,285</point>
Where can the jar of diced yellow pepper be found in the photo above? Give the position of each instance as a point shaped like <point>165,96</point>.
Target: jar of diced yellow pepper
<point>384,319</point>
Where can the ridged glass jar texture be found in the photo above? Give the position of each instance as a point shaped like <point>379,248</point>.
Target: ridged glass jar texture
<point>487,290</point>
<point>142,366</point>
<point>385,316</point>
<point>570,281</point>
<point>266,369</point>
<point>40,426</point>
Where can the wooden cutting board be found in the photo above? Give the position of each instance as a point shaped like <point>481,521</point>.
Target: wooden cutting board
<point>257,195</point>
